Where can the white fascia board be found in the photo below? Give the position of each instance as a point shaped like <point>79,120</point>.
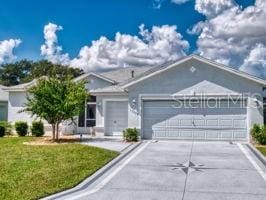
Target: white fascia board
<point>96,75</point>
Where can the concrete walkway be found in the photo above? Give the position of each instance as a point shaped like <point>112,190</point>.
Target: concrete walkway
<point>180,170</point>
<point>115,144</point>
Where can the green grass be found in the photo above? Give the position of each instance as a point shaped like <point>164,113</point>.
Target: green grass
<point>262,149</point>
<point>31,172</point>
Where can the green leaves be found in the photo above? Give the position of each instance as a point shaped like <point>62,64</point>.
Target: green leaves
<point>56,100</point>
<point>24,71</point>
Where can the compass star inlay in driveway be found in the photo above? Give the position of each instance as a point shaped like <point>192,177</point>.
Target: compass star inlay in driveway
<point>189,167</point>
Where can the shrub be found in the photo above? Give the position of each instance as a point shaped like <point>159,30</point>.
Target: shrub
<point>259,134</point>
<point>37,128</point>
<point>21,128</point>
<point>2,131</point>
<point>130,135</point>
<point>256,129</point>
<point>7,126</point>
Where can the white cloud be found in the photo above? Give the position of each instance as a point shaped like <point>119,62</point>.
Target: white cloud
<point>230,36</point>
<point>153,47</point>
<point>50,50</point>
<point>179,1</point>
<point>211,8</point>
<point>255,63</point>
<point>157,4</point>
<point>6,50</point>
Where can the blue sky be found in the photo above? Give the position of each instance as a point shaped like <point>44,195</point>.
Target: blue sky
<point>84,21</point>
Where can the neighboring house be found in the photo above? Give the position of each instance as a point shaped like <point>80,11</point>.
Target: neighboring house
<point>3,103</point>
<point>158,102</point>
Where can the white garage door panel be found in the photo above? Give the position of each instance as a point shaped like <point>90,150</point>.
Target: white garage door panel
<point>116,114</point>
<point>163,119</point>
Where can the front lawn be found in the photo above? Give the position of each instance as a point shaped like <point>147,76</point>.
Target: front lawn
<point>31,172</point>
<point>262,149</point>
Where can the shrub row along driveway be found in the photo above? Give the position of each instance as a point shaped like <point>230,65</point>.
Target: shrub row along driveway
<point>29,172</point>
<point>181,170</point>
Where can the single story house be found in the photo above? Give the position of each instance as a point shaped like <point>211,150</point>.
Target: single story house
<point>192,98</point>
<point>3,103</point>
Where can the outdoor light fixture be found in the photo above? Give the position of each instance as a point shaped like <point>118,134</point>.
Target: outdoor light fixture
<point>255,99</point>
<point>99,103</point>
<point>133,102</point>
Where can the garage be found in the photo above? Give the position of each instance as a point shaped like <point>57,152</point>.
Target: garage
<point>200,120</point>
<point>116,117</point>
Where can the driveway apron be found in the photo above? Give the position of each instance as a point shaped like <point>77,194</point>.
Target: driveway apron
<point>182,170</point>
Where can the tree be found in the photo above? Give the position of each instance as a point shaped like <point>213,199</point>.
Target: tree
<point>24,71</point>
<point>55,100</point>
<point>15,73</point>
<point>46,68</point>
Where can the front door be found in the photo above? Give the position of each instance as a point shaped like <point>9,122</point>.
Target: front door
<point>87,119</point>
<point>116,117</point>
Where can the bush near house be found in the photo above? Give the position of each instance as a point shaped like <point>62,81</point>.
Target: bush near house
<point>7,126</point>
<point>259,133</point>
<point>2,131</point>
<point>130,135</point>
<point>37,128</point>
<point>21,128</point>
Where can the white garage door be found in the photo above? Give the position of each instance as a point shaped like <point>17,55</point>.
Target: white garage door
<point>116,117</point>
<point>207,121</point>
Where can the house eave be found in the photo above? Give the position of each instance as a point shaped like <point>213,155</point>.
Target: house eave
<point>108,93</point>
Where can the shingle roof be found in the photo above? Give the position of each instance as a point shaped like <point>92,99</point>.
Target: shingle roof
<point>20,87</point>
<point>124,74</point>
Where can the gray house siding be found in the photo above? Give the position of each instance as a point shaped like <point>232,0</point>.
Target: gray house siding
<point>95,83</point>
<point>184,80</point>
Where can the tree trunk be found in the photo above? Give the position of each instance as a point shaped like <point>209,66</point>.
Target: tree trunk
<point>53,130</point>
<point>57,128</point>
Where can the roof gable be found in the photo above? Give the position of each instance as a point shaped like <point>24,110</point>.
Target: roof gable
<point>82,77</point>
<point>171,65</point>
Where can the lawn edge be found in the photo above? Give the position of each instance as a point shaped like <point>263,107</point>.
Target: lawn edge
<point>92,178</point>
<point>257,153</point>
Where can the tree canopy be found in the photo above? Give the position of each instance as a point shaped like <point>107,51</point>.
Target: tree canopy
<point>24,71</point>
<point>55,100</point>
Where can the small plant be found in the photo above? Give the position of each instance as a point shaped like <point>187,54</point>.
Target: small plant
<point>130,135</point>
<point>2,131</point>
<point>259,133</point>
<point>21,128</point>
<point>37,128</point>
<point>7,126</point>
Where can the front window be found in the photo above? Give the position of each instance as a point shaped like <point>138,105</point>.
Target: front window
<point>88,117</point>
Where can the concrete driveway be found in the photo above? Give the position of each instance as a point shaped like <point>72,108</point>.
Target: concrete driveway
<point>181,170</point>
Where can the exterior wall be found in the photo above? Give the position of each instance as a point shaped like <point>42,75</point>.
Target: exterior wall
<point>204,80</point>
<point>71,128</point>
<point>95,83</point>
<point>15,104</point>
<point>3,110</point>
<point>3,104</point>
<point>3,94</point>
